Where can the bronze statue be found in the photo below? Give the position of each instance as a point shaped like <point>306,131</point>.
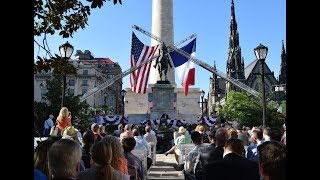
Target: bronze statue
<point>163,61</point>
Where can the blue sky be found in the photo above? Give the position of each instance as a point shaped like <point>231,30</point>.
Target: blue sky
<point>259,21</point>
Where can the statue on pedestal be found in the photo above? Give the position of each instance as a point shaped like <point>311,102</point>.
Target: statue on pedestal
<point>163,61</point>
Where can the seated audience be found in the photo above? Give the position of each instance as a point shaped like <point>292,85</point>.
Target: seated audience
<point>88,140</point>
<point>119,131</point>
<point>127,131</point>
<point>199,148</point>
<point>233,165</point>
<point>128,145</point>
<point>142,144</point>
<point>202,130</point>
<point>118,162</point>
<point>40,156</point>
<point>149,137</point>
<point>272,160</point>
<point>182,139</point>
<point>214,154</point>
<point>95,128</point>
<point>64,159</point>
<point>256,136</point>
<point>101,156</point>
<point>71,133</point>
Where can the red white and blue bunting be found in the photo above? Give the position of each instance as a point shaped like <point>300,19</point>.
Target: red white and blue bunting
<point>209,121</point>
<point>115,120</point>
<point>176,122</point>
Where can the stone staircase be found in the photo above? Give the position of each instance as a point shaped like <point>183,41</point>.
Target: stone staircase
<point>163,169</point>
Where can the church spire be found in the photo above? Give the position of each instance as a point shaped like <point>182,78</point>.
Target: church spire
<point>235,63</point>
<point>282,74</point>
<point>283,50</point>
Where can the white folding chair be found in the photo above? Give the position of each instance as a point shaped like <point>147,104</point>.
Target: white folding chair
<point>152,149</point>
<point>142,155</point>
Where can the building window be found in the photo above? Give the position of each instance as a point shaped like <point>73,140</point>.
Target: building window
<point>72,82</point>
<point>71,92</point>
<point>43,91</point>
<point>84,83</point>
<point>110,76</point>
<point>85,72</point>
<point>84,91</point>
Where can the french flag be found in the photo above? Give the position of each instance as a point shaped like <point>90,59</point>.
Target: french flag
<point>185,67</point>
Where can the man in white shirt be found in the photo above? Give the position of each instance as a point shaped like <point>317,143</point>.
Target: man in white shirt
<point>143,145</point>
<point>48,124</point>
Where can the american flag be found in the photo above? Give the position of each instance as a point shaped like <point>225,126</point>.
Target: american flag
<point>140,53</point>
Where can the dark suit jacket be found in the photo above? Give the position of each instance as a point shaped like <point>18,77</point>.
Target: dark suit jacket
<point>214,154</point>
<point>232,167</point>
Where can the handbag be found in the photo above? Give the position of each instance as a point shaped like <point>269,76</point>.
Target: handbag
<point>54,130</point>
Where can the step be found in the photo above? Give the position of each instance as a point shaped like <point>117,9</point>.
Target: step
<point>163,168</point>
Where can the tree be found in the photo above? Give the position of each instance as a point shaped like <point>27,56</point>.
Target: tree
<point>64,17</point>
<point>247,110</point>
<point>283,107</point>
<point>53,96</point>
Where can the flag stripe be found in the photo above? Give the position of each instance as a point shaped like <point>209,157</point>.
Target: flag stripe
<point>140,53</point>
<point>184,67</point>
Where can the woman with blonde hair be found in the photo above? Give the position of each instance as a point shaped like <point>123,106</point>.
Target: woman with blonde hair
<point>119,162</point>
<point>63,119</point>
<point>101,158</point>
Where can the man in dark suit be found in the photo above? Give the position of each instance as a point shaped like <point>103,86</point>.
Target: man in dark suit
<point>233,166</point>
<point>221,136</point>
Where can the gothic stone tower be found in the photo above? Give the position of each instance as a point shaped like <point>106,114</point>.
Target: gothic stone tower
<point>235,64</point>
<point>282,74</point>
<point>214,94</point>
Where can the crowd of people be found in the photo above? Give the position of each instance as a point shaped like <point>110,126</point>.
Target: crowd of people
<point>220,151</point>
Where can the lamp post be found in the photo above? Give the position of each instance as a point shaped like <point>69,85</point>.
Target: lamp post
<point>123,94</point>
<point>105,98</point>
<point>219,99</point>
<point>261,52</point>
<point>202,96</point>
<point>66,51</point>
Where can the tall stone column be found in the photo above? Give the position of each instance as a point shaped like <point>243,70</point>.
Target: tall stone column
<point>162,26</point>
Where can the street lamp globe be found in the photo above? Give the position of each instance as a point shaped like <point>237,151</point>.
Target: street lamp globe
<point>123,92</point>
<point>202,93</point>
<point>66,50</point>
<point>261,52</point>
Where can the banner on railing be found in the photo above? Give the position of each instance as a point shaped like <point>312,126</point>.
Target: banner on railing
<point>170,122</point>
<point>210,121</point>
<point>115,120</point>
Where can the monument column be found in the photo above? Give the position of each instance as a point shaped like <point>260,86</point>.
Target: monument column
<point>162,26</point>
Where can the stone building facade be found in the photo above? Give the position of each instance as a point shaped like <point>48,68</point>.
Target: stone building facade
<point>91,72</point>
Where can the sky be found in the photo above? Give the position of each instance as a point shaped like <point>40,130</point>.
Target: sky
<point>109,32</point>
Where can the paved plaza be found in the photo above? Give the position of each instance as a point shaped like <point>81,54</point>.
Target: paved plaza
<point>163,169</point>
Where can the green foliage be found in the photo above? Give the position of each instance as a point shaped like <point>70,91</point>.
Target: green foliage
<point>53,96</point>
<point>64,17</point>
<point>247,110</point>
<point>42,111</point>
<point>57,64</point>
<point>283,106</point>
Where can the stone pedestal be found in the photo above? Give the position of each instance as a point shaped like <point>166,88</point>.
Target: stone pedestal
<point>163,101</point>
